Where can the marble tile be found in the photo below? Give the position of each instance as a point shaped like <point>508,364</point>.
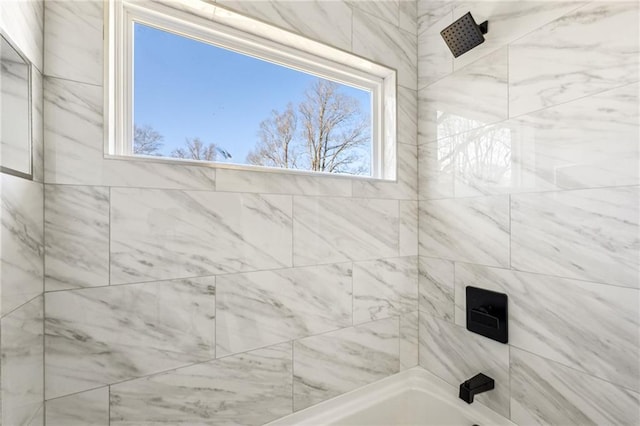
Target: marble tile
<point>408,228</point>
<point>99,336</point>
<point>22,353</point>
<point>384,288</point>
<point>246,389</point>
<point>90,408</point>
<point>471,97</point>
<point>21,243</point>
<point>435,60</point>
<point>406,185</point>
<point>508,21</point>
<point>385,43</point>
<point>543,392</point>
<point>430,11</point>
<point>309,18</point>
<point>330,364</point>
<point>258,309</point>
<point>76,236</point>
<point>22,22</point>
<point>407,115</point>
<point>436,285</point>
<point>589,327</point>
<point>388,10</point>
<point>228,180</point>
<point>38,418</point>
<point>408,340</point>
<point>74,48</point>
<point>436,168</point>
<point>148,174</point>
<point>73,131</point>
<point>167,234</point>
<point>331,230</point>
<point>455,355</point>
<point>591,49</point>
<point>589,234</point>
<point>472,230</point>
<point>408,16</point>
<point>37,124</point>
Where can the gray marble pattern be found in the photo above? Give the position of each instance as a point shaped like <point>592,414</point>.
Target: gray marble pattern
<point>589,234</point>
<point>388,10</point>
<point>466,229</point>
<point>435,60</point>
<point>100,336</point>
<point>436,286</point>
<point>21,262</point>
<point>408,228</point>
<point>37,124</point>
<point>246,389</point>
<point>384,288</point>
<point>407,113</point>
<point>544,392</point>
<point>22,22</point>
<point>455,355</point>
<point>258,309</point>
<point>409,343</point>
<point>90,408</point>
<point>167,234</point>
<point>147,174</point>
<point>406,184</point>
<point>330,364</point>
<point>21,369</point>
<point>331,230</point>
<point>76,236</point>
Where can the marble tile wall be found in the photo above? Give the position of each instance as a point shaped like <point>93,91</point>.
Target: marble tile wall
<point>22,242</point>
<point>189,295</point>
<point>528,153</point>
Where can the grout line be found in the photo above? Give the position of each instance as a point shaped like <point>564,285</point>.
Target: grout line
<point>70,80</point>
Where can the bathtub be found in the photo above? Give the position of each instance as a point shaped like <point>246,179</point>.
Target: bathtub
<point>412,397</point>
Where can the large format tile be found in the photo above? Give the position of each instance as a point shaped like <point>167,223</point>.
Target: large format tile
<point>140,173</point>
<point>385,43</point>
<point>589,327</point>
<point>436,167</point>
<point>471,97</point>
<point>589,234</point>
<point>384,288</point>
<point>331,230</point>
<point>22,22</point>
<point>246,389</point>
<point>21,368</point>
<point>166,234</point>
<point>90,408</point>
<point>37,124</point>
<point>436,287</point>
<point>406,185</point>
<point>408,228</point>
<point>435,60</point>
<point>257,309</point>
<point>99,336</point>
<point>472,230</point>
<point>407,114</point>
<point>591,49</point>
<point>76,236</point>
<point>544,393</point>
<point>22,251</point>
<point>389,10</point>
<point>455,355</point>
<point>74,47</point>
<point>333,363</point>
<point>409,340</point>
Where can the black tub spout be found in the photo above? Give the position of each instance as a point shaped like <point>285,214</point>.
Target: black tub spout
<point>475,385</point>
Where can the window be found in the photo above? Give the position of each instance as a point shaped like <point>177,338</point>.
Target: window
<point>186,88</point>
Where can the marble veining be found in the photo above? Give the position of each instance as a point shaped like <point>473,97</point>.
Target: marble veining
<point>147,174</point>
<point>257,309</point>
<point>455,354</point>
<point>591,49</point>
<point>408,228</point>
<point>21,263</point>
<point>436,286</point>
<point>90,408</point>
<point>76,236</point>
<point>37,124</point>
<point>544,392</point>
<point>166,234</point>
<point>436,167</point>
<point>388,10</point>
<point>589,234</point>
<point>404,188</point>
<point>384,288</point>
<point>589,327</point>
<point>331,230</point>
<point>21,364</point>
<point>99,336</point>
<point>409,340</point>
<point>245,389</point>
<point>408,16</point>
<point>466,229</point>
<point>407,114</point>
<point>22,22</point>
<point>434,57</point>
<point>327,365</point>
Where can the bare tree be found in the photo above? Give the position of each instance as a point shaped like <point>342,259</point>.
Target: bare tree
<point>333,133</point>
<point>146,141</point>
<point>196,149</point>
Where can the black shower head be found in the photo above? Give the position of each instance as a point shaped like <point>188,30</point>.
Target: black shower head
<point>464,34</point>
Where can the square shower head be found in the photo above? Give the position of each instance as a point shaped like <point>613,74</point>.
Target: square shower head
<point>464,34</point>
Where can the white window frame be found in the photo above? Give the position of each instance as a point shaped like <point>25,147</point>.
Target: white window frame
<point>238,33</point>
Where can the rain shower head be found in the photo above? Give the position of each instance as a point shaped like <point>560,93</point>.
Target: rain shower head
<point>464,34</point>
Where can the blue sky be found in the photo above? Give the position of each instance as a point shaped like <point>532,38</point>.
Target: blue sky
<point>184,88</point>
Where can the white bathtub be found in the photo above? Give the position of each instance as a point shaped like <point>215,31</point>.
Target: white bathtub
<point>412,397</point>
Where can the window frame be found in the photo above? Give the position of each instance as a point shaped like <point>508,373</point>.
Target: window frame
<point>235,32</point>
